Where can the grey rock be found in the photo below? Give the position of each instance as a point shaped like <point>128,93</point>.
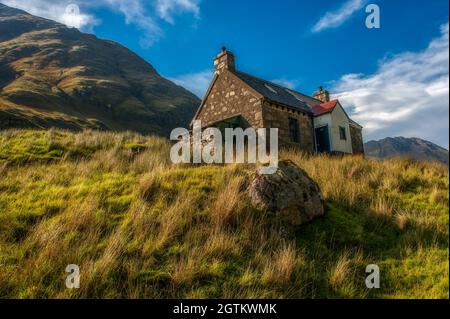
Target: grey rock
<point>289,193</point>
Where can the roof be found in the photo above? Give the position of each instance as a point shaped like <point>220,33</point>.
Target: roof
<point>329,107</point>
<point>355,124</point>
<point>278,94</point>
<point>324,108</point>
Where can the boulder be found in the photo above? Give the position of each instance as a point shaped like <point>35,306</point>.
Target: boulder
<point>290,193</point>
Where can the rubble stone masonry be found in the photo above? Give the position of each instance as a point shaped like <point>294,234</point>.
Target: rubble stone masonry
<point>357,140</point>
<point>276,116</point>
<point>228,98</point>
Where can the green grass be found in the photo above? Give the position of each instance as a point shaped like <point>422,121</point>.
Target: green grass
<point>140,227</point>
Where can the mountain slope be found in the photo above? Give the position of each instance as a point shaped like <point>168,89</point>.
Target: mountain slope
<point>140,227</point>
<point>51,75</point>
<point>406,147</point>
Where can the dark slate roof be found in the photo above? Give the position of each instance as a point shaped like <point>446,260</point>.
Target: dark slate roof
<point>279,94</point>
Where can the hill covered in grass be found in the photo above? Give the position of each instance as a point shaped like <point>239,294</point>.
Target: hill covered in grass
<point>54,76</point>
<point>140,227</point>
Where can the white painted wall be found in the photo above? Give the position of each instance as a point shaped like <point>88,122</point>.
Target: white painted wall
<point>322,120</point>
<point>334,120</point>
<point>339,118</point>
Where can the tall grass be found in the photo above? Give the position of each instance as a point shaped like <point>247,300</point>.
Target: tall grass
<point>140,227</point>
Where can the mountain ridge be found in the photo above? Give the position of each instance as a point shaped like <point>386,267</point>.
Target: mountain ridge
<point>55,76</point>
<point>415,148</point>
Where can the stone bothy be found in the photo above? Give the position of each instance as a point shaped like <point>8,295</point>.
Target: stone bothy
<point>313,124</point>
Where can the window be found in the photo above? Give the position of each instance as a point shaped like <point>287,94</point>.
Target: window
<point>271,89</point>
<point>295,95</point>
<point>343,133</point>
<point>294,130</point>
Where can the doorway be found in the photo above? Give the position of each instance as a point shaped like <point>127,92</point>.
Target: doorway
<point>323,139</point>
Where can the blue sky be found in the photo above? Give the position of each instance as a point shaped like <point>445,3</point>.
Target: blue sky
<point>393,80</point>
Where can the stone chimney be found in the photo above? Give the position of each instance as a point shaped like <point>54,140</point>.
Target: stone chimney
<point>225,60</point>
<point>322,95</point>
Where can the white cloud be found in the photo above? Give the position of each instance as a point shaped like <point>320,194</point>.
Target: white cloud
<point>333,19</point>
<point>168,8</point>
<point>197,83</point>
<point>407,96</point>
<point>55,10</point>
<point>137,12</point>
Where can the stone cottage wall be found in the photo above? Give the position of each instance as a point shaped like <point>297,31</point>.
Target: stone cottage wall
<point>276,116</point>
<point>228,98</point>
<point>357,140</point>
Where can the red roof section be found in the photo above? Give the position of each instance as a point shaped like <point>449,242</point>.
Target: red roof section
<point>324,108</point>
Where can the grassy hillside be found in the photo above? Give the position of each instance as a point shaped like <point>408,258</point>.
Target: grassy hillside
<point>54,76</point>
<point>139,227</point>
